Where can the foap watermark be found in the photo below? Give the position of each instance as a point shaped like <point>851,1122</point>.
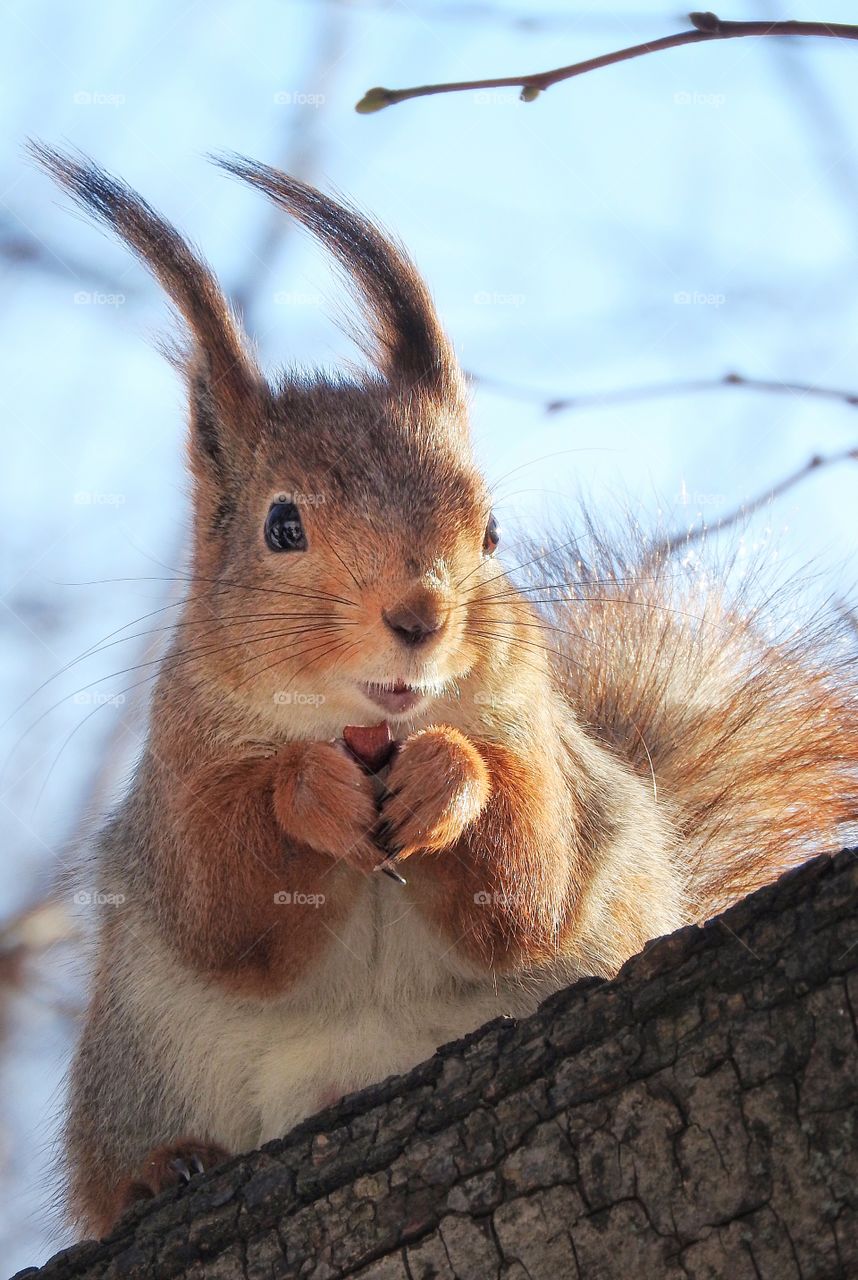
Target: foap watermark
<point>290,898</point>
<point>497,98</point>
<point>95,498</point>
<point>493,898</point>
<point>496,701</point>
<point>693,498</point>
<point>293,98</point>
<point>295,298</point>
<point>692,98</point>
<point>88,698</point>
<point>497,298</point>
<point>303,499</point>
<point>97,98</point>
<point>95,898</point>
<point>286,698</point>
<point>88,298</point>
<point>696,298</point>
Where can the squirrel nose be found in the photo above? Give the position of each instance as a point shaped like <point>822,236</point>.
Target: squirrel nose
<point>414,622</point>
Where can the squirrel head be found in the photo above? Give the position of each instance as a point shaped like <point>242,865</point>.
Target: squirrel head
<point>343,534</point>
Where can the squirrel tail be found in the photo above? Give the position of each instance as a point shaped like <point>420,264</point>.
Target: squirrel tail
<point>743,721</point>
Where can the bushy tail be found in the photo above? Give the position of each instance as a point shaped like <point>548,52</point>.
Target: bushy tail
<point>746,725</point>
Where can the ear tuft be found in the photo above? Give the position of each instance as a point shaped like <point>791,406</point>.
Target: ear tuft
<point>411,348</point>
<point>223,380</point>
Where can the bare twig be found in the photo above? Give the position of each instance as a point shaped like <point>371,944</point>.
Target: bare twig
<point>626,395</point>
<point>689,536</point>
<point>20,248</point>
<point>659,390</point>
<point>706,26</point>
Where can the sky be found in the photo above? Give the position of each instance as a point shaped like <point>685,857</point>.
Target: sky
<point>665,221</point>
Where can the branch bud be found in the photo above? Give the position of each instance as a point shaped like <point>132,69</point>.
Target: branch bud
<point>375,100</point>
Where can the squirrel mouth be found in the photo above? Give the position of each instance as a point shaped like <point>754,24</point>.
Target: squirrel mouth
<point>397,697</point>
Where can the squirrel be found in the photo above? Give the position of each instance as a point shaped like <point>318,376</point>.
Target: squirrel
<point>584,755</point>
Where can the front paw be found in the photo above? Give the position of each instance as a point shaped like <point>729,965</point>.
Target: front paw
<point>437,786</point>
<point>324,799</point>
<point>170,1166</point>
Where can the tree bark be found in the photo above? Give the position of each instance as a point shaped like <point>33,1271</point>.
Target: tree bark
<point>696,1117</point>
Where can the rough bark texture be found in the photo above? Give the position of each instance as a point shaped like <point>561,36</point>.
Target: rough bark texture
<point>696,1117</point>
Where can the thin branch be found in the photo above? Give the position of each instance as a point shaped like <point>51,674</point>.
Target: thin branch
<point>687,537</point>
<point>706,26</point>
<point>656,390</point>
<point>21,249</point>
<point>659,390</point>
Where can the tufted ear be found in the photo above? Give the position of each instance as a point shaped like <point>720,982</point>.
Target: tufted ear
<point>410,347</point>
<point>224,384</point>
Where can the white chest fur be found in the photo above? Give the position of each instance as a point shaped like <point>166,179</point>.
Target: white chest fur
<point>387,993</point>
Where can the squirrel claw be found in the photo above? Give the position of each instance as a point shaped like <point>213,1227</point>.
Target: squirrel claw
<point>381,836</point>
<point>186,1169</point>
<point>175,1165</point>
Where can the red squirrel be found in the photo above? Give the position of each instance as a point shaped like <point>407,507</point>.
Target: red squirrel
<point>581,757</point>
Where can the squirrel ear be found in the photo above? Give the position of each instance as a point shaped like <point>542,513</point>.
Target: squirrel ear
<point>223,381</point>
<point>411,349</point>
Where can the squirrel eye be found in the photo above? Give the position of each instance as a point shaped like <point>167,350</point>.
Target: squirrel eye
<point>283,528</point>
<point>492,538</point>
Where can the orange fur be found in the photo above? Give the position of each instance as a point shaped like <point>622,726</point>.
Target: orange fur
<point>437,787</point>
<point>165,1166</point>
<point>323,799</point>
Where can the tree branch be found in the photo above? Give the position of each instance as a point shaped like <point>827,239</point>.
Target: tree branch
<point>694,534</point>
<point>696,1117</point>
<point>706,26</point>
<point>657,390</point>
<point>626,395</point>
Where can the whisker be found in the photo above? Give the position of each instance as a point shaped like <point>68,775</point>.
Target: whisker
<point>169,661</point>
<point>318,656</point>
<point>567,584</point>
<point>69,737</point>
<point>488,647</point>
<point>102,646</point>
<point>546,457</point>
<point>219,582</point>
<point>607,601</point>
<point>527,644</point>
<point>515,569</point>
<point>331,547</point>
<point>128,689</point>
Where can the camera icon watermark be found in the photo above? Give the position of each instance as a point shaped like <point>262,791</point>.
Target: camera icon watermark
<point>295,298</point>
<point>95,498</point>
<point>91,698</point>
<point>287,698</point>
<point>89,298</point>
<point>697,298</point>
<point>692,98</point>
<point>487,898</point>
<point>693,498</point>
<point>292,98</point>
<point>497,298</point>
<point>303,499</point>
<point>95,98</point>
<point>288,898</point>
<point>495,701</point>
<point>87,898</point>
<point>497,98</point>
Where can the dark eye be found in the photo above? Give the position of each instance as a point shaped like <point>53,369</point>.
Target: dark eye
<point>492,538</point>
<point>283,528</point>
